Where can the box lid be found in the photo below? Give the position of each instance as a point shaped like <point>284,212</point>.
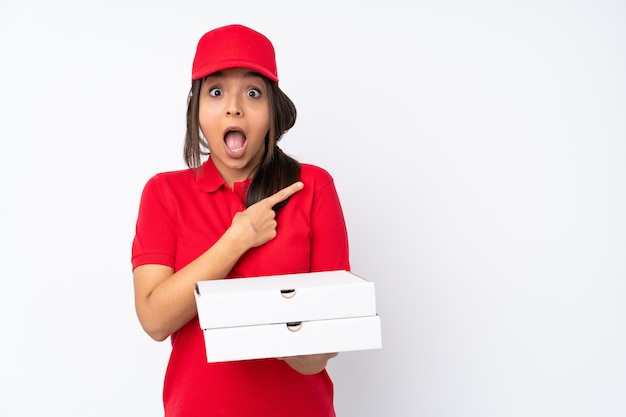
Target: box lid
<point>283,299</point>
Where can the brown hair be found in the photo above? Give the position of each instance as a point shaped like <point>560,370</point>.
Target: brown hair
<point>277,170</point>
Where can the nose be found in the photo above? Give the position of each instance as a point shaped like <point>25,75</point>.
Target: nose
<point>233,107</point>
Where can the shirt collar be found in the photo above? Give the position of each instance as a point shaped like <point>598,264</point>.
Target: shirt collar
<point>209,179</point>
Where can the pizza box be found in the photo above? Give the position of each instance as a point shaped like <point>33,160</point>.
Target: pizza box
<point>287,315</point>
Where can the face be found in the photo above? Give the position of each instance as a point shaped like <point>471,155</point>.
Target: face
<point>234,117</point>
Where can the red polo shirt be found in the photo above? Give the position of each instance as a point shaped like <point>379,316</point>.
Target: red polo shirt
<point>180,216</point>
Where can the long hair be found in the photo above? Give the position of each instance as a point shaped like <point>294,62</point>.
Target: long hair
<point>277,170</point>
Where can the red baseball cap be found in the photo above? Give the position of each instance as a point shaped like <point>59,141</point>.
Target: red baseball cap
<point>234,46</point>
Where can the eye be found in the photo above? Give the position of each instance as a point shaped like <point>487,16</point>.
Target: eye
<point>254,93</point>
<point>215,92</point>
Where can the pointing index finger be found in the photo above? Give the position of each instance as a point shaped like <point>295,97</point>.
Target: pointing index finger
<point>285,193</point>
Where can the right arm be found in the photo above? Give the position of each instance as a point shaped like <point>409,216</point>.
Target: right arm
<point>164,299</point>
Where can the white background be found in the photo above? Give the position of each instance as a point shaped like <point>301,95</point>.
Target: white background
<point>478,148</point>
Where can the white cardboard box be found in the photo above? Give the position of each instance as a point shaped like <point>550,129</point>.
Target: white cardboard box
<point>286,315</point>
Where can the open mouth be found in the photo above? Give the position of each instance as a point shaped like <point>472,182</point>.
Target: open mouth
<point>235,141</point>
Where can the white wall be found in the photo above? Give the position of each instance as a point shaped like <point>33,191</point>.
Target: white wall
<point>478,149</point>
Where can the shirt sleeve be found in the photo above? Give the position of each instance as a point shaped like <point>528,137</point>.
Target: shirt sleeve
<point>329,241</point>
<point>155,237</point>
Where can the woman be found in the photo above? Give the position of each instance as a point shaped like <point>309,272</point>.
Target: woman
<point>246,210</point>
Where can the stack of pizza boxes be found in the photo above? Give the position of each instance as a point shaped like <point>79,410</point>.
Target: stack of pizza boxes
<point>287,315</point>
